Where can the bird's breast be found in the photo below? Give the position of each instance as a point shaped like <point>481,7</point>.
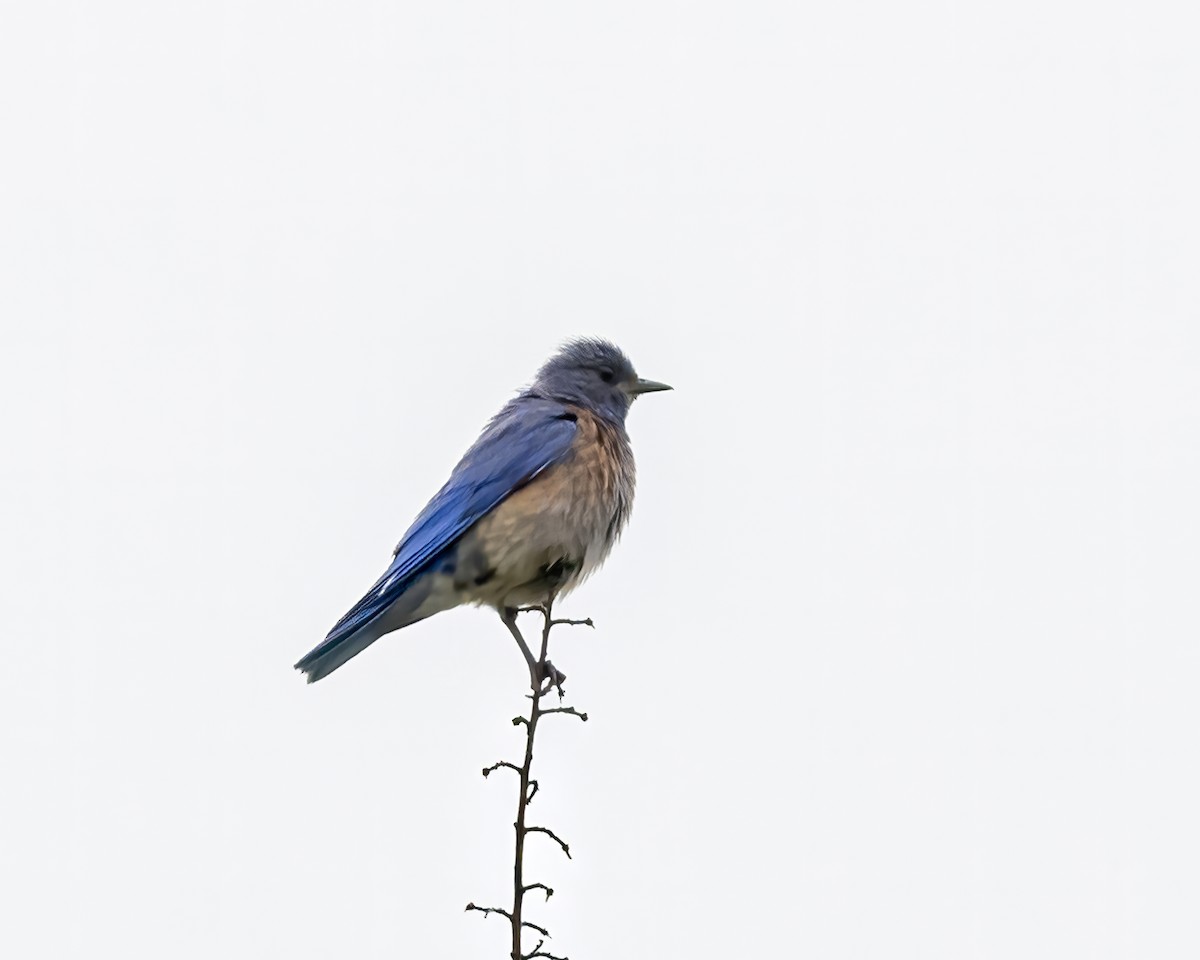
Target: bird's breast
<point>573,511</point>
<point>600,478</point>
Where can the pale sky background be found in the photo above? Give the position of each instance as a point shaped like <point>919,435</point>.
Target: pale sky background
<point>899,657</point>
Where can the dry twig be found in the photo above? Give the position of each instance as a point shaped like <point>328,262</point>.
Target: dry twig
<point>543,678</point>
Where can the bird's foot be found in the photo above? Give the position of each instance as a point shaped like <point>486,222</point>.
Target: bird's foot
<point>552,679</point>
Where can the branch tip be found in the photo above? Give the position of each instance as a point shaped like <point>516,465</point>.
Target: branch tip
<point>539,886</point>
<point>553,836</point>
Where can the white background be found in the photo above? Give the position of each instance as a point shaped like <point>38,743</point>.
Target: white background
<point>899,657</point>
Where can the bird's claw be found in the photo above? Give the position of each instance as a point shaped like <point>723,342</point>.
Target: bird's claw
<point>553,678</point>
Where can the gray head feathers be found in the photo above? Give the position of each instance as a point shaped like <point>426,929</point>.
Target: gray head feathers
<point>592,373</point>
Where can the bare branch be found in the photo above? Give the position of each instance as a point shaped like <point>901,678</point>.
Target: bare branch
<point>553,836</point>
<point>571,710</point>
<point>544,677</point>
<point>539,886</point>
<point>558,623</point>
<point>504,913</point>
<point>486,910</point>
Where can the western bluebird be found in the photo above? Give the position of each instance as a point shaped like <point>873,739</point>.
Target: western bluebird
<point>532,509</point>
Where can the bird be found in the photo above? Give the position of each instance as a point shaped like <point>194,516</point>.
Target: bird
<point>530,511</point>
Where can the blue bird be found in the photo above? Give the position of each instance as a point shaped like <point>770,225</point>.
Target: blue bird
<point>533,507</point>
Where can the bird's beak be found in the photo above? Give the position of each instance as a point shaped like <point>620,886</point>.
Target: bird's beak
<point>640,386</point>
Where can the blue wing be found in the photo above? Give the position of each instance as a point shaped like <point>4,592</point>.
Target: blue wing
<point>527,436</point>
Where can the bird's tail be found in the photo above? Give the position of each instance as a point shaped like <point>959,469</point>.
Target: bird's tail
<point>326,657</point>
<point>387,607</point>
<point>391,604</point>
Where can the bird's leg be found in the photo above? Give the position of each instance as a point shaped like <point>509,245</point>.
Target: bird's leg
<point>549,673</point>
<point>545,671</point>
<point>509,616</point>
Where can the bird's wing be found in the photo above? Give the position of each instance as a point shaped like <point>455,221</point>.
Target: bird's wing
<point>527,436</point>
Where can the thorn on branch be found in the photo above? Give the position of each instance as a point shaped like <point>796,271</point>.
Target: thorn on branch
<point>517,721</point>
<point>570,710</point>
<point>553,836</point>
<point>533,789</point>
<point>497,766</point>
<point>539,886</point>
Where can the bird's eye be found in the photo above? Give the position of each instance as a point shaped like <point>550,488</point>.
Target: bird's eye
<point>606,376</point>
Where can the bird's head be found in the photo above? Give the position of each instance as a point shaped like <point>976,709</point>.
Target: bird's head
<point>594,374</point>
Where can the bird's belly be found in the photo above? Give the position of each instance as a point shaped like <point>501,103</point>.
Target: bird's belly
<point>543,539</point>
